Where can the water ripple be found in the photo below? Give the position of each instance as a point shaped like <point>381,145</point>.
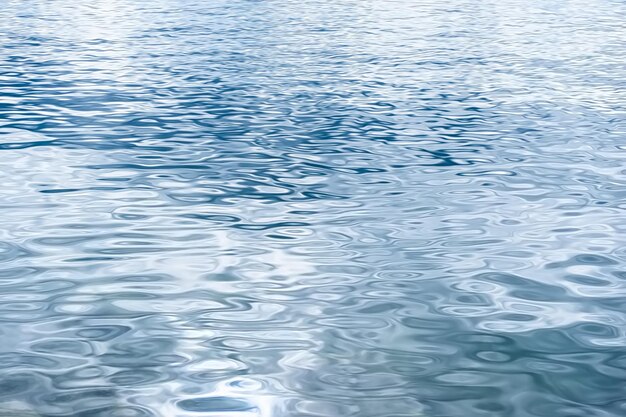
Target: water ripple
<point>347,208</point>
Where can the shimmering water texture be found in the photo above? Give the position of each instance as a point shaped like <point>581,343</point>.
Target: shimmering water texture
<point>328,208</point>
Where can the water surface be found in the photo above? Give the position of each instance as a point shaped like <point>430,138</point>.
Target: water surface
<point>327,208</point>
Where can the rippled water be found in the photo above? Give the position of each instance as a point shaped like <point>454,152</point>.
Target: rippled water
<point>326,208</point>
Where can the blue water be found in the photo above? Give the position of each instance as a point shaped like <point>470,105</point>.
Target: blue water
<point>331,208</point>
